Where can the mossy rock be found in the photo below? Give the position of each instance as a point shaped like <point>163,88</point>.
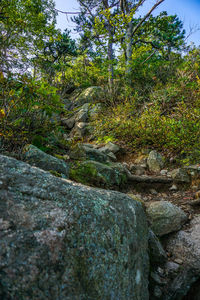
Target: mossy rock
<point>44,161</point>
<point>98,174</point>
<point>92,95</point>
<point>83,152</point>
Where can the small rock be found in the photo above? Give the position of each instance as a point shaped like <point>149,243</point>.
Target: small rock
<point>171,268</point>
<point>153,191</point>
<point>157,292</point>
<point>112,156</point>
<point>99,174</point>
<point>156,278</point>
<point>165,217</point>
<point>79,130</point>
<point>141,160</point>
<point>110,147</point>
<point>155,161</point>
<point>66,157</point>
<point>68,122</point>
<point>125,165</point>
<point>173,188</point>
<point>137,169</point>
<point>178,261</point>
<point>163,172</point>
<point>180,175</point>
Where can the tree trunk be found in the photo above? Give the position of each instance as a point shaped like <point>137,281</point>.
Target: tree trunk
<point>110,59</point>
<point>129,51</point>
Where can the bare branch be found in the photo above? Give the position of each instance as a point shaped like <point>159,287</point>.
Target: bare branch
<point>146,42</point>
<point>146,16</point>
<point>152,54</point>
<point>67,12</point>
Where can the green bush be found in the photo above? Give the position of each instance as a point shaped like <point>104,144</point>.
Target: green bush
<point>28,107</point>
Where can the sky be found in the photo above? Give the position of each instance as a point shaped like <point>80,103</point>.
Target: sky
<point>188,11</point>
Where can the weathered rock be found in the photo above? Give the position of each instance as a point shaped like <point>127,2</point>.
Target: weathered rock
<point>155,161</point>
<point>149,179</point>
<point>180,175</point>
<point>163,172</point>
<point>184,245</point>
<point>111,156</point>
<point>85,152</point>
<point>173,188</point>
<point>141,160</point>
<point>156,252</point>
<point>68,122</point>
<point>98,174</point>
<point>61,240</point>
<point>81,116</point>
<point>171,269</point>
<point>110,147</point>
<point>165,217</point>
<point>67,104</point>
<point>137,169</point>
<point>90,95</point>
<point>40,159</point>
<point>79,130</point>
<point>94,110</point>
<point>193,171</point>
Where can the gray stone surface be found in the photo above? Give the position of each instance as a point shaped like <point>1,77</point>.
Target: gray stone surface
<point>84,152</point>
<point>90,95</point>
<point>110,147</point>
<point>183,246</point>
<point>180,175</point>
<point>79,130</point>
<point>42,160</point>
<point>82,115</point>
<point>68,122</point>
<point>112,175</point>
<point>137,169</point>
<point>156,252</point>
<point>165,217</point>
<point>61,240</point>
<point>155,161</point>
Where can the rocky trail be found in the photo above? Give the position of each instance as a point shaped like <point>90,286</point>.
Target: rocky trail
<point>95,219</point>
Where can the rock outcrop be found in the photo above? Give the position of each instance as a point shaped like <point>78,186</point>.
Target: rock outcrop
<point>44,161</point>
<point>61,240</point>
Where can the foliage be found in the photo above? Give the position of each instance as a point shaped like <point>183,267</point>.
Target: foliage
<point>28,107</point>
<point>168,121</point>
<point>25,27</point>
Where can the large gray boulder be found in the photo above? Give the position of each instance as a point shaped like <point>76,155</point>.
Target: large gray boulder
<point>61,240</point>
<point>42,160</point>
<point>165,217</point>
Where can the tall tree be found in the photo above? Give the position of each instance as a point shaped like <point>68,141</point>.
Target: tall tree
<point>90,18</point>
<point>25,25</point>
